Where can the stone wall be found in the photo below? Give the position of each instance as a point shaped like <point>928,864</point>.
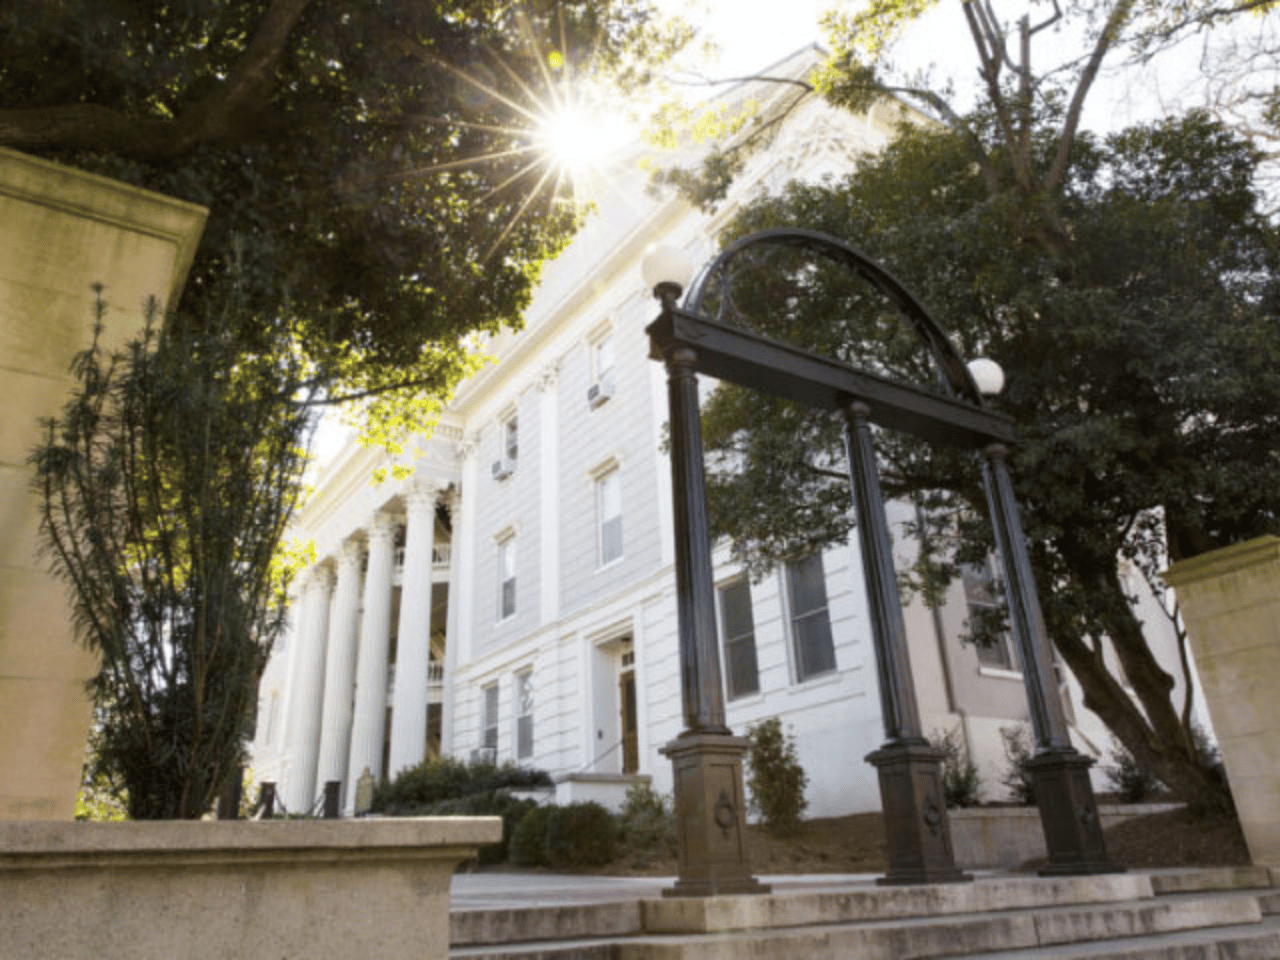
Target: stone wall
<point>61,231</point>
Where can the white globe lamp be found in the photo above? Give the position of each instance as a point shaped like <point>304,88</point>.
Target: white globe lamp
<point>987,376</point>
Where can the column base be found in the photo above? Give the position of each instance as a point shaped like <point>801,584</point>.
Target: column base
<point>710,816</point>
<point>1072,828</point>
<point>917,832</point>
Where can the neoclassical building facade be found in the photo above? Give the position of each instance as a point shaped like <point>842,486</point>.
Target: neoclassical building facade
<point>514,597</point>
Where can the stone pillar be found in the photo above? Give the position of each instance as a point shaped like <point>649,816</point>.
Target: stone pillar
<point>368,726</point>
<point>1230,599</point>
<point>61,232</point>
<point>413,649</point>
<point>340,667</point>
<point>306,693</point>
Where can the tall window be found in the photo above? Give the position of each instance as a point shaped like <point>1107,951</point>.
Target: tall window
<point>506,577</point>
<point>602,353</point>
<point>982,596</point>
<point>738,634</point>
<point>524,714</point>
<point>510,438</point>
<point>489,718</point>
<point>609,511</point>
<point>810,622</point>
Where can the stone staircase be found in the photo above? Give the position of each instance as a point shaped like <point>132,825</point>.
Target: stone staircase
<point>1208,914</point>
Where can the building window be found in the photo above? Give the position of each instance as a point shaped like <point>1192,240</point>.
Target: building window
<point>738,634</point>
<point>609,512</point>
<point>509,437</point>
<point>524,714</point>
<point>810,623</point>
<point>507,577</point>
<point>602,354</point>
<point>982,596</point>
<point>489,719</point>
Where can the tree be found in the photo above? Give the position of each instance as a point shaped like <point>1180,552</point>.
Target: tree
<point>166,486</point>
<point>1140,346</point>
<point>372,167</point>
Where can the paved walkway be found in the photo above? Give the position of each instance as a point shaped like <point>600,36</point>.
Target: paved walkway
<point>507,890</point>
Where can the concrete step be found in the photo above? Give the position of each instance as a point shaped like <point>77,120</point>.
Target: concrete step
<point>1249,942</point>
<point>778,911</point>
<point>1210,878</point>
<point>1018,932</point>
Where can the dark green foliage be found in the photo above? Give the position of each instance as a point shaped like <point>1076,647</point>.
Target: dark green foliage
<point>1128,780</point>
<point>646,826</point>
<point>1133,310</point>
<point>775,779</point>
<point>448,778</point>
<point>1017,776</point>
<point>579,835</point>
<point>165,488</point>
<point>961,781</point>
<point>495,803</point>
<point>369,163</point>
<point>528,847</point>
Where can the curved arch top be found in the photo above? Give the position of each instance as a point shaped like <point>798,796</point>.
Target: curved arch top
<point>953,374</point>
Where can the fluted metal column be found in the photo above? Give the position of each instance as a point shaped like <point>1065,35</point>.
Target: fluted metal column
<point>413,648</point>
<point>368,727</point>
<point>1068,809</point>
<point>340,667</point>
<point>306,693</point>
<point>700,686</point>
<point>898,705</point>
<point>1048,720</point>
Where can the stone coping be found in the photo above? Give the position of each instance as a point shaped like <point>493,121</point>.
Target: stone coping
<point>45,844</point>
<point>1227,560</point>
<point>1104,810</point>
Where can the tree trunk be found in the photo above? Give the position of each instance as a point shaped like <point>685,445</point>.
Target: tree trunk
<point>1151,729</point>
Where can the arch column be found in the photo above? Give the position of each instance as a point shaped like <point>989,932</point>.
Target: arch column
<point>306,691</point>
<point>340,668</point>
<point>368,726</point>
<point>413,648</point>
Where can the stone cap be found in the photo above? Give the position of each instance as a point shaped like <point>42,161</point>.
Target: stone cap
<point>46,843</point>
<point>1217,563</point>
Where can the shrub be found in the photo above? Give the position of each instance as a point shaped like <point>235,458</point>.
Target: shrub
<point>1017,778</point>
<point>646,825</point>
<point>528,846</point>
<point>1133,783</point>
<point>961,781</point>
<point>448,778</point>
<point>580,835</point>
<point>776,779</point>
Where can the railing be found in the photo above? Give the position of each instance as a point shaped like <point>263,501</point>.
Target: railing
<point>435,674</point>
<point>440,556</point>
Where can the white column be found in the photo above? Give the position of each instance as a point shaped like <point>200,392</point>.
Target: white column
<point>458,625</point>
<point>549,507</point>
<point>306,693</point>
<point>413,648</point>
<point>340,668</point>
<point>369,722</point>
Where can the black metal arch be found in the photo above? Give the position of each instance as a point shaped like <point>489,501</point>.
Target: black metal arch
<point>953,373</point>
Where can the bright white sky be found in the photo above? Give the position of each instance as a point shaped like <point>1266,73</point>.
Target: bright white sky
<point>755,33</point>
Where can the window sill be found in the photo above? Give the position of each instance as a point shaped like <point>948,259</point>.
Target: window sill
<point>997,673</point>
<point>616,561</point>
<point>817,680</point>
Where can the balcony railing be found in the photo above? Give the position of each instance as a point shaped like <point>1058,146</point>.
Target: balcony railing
<point>440,556</point>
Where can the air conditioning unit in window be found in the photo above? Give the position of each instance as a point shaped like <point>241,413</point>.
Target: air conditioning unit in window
<point>484,755</point>
<point>503,468</point>
<point>598,393</point>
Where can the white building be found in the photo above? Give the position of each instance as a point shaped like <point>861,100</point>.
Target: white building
<point>515,596</point>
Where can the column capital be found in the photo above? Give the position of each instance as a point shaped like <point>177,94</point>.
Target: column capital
<point>318,576</point>
<point>422,493</point>
<point>383,526</point>
<point>349,556</point>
